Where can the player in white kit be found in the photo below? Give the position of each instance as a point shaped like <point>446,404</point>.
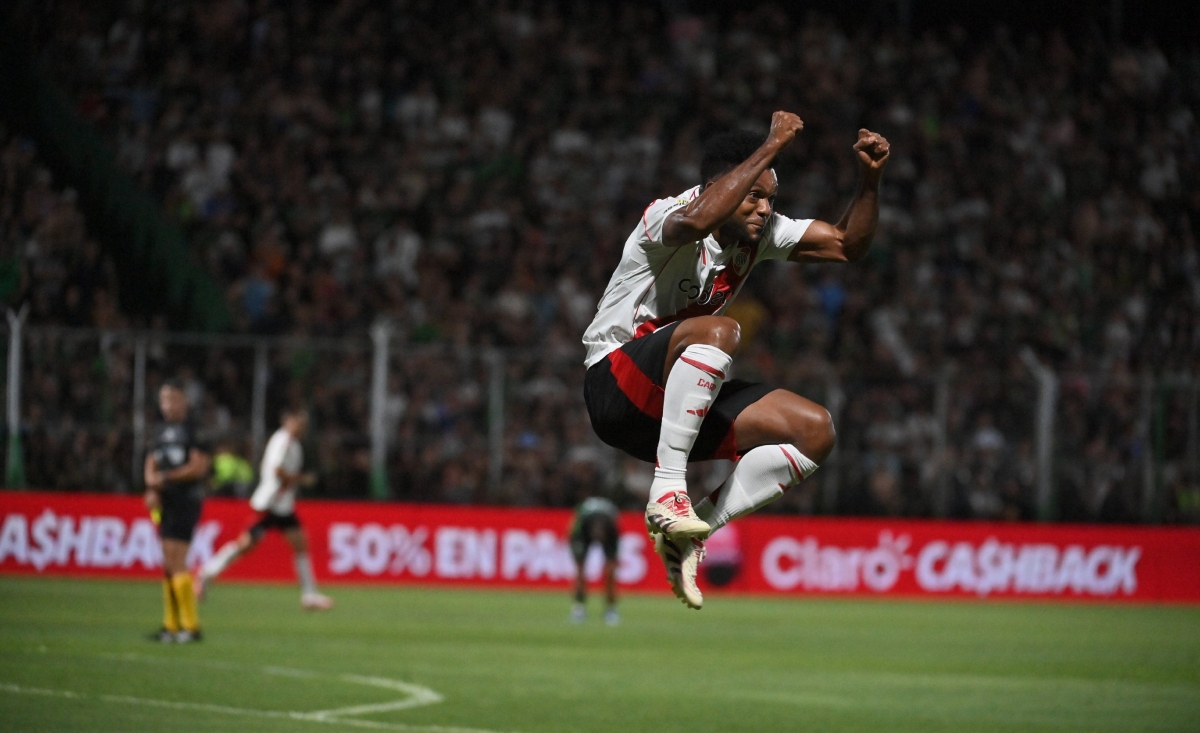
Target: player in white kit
<point>275,500</point>
<point>659,350</point>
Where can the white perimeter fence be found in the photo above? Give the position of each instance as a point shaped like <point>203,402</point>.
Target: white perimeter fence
<point>508,426</point>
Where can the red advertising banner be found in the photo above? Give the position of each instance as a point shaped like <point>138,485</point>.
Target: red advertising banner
<point>99,534</point>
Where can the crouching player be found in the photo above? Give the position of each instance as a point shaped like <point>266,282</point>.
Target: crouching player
<point>275,500</point>
<point>595,521</point>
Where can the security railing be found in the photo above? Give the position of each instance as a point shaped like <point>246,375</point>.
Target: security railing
<point>396,420</point>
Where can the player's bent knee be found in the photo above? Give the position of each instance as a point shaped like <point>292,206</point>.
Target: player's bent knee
<point>723,332</point>
<point>816,434</point>
<point>720,331</point>
<point>828,433</point>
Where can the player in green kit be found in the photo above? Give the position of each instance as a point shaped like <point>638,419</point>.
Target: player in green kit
<point>595,521</point>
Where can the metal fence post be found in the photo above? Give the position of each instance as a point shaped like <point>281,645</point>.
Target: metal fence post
<point>258,405</point>
<point>14,464</point>
<point>496,366</point>
<point>381,334</point>
<point>941,414</point>
<point>1047,406</point>
<point>1146,437</point>
<point>139,409</point>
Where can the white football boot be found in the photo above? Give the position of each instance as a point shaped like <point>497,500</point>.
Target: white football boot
<point>315,602</point>
<point>672,515</point>
<point>682,560</point>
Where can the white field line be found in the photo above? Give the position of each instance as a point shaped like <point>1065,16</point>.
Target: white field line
<point>417,696</point>
<point>228,710</point>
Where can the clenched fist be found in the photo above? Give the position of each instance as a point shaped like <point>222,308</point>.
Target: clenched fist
<point>872,150</point>
<point>784,126</point>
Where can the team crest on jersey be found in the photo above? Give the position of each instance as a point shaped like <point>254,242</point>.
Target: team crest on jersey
<point>741,260</point>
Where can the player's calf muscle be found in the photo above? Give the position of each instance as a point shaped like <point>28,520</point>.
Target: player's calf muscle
<point>783,417</point>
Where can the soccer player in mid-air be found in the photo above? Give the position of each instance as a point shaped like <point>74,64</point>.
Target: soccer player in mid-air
<point>595,522</point>
<point>275,501</point>
<point>658,350</point>
<point>174,472</point>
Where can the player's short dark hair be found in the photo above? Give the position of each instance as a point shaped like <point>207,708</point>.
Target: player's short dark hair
<point>727,151</point>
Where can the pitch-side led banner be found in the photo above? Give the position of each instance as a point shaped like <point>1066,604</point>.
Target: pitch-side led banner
<point>99,534</point>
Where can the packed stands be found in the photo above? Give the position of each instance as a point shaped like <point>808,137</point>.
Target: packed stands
<point>472,183</point>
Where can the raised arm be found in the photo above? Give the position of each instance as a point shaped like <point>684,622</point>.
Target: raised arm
<point>721,197</point>
<point>850,238</point>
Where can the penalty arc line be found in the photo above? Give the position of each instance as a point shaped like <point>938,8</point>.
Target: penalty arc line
<point>319,717</point>
<point>418,695</point>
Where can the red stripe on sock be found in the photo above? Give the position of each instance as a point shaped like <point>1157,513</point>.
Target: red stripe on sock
<point>640,389</point>
<point>788,456</point>
<point>704,367</point>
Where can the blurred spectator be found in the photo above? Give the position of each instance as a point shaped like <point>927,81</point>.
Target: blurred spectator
<point>470,173</point>
<point>232,474</point>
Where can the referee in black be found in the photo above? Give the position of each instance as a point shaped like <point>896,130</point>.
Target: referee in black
<point>175,470</point>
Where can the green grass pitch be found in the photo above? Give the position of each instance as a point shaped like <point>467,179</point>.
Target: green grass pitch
<point>73,658</point>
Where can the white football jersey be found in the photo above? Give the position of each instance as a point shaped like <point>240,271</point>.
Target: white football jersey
<point>655,285</point>
<point>283,451</point>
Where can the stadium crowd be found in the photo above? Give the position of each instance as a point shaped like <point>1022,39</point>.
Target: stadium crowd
<point>469,174</point>
<point>50,265</point>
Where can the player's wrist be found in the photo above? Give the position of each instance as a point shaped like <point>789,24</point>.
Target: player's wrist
<point>773,144</point>
<point>871,176</point>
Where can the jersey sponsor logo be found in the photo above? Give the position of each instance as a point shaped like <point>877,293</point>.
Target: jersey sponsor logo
<point>712,295</point>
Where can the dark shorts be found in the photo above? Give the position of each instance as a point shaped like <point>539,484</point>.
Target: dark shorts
<point>588,530</point>
<point>270,520</point>
<point>180,512</point>
<point>624,397</point>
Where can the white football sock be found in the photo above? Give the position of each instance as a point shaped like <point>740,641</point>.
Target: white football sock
<point>690,391</point>
<point>308,583</point>
<point>221,560</point>
<point>761,477</point>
